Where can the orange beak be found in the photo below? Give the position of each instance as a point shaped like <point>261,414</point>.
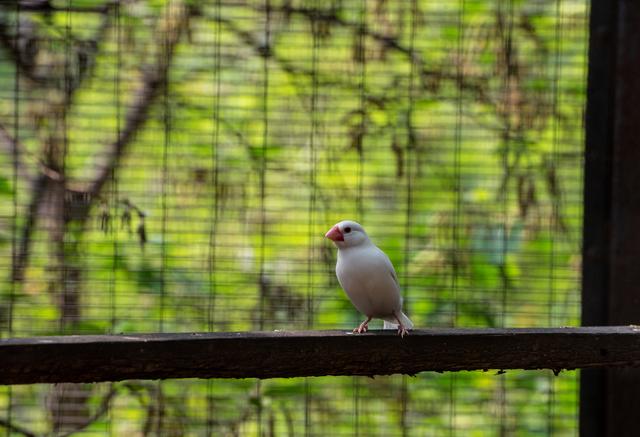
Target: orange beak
<point>334,234</point>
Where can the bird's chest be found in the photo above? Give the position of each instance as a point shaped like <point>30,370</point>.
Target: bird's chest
<point>368,284</point>
<point>358,276</point>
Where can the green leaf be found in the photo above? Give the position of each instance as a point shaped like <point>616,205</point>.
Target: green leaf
<point>5,186</point>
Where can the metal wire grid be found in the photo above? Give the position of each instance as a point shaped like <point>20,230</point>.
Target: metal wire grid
<point>276,123</point>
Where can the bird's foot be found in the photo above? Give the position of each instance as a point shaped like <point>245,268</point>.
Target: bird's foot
<point>402,331</point>
<point>364,327</point>
<point>361,329</point>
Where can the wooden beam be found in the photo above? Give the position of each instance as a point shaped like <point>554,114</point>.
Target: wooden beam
<point>611,244</point>
<point>91,358</point>
<point>598,182</point>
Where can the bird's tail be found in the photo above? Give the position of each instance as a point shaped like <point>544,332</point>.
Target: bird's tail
<point>391,322</point>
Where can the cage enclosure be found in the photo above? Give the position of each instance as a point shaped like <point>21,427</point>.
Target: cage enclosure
<point>172,166</point>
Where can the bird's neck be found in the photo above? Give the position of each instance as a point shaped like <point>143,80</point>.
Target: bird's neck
<point>362,245</point>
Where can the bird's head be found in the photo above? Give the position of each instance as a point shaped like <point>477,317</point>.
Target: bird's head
<point>347,233</point>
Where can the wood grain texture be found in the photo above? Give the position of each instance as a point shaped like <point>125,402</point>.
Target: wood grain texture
<point>91,358</point>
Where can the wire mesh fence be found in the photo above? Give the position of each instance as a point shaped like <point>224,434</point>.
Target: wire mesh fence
<point>172,166</point>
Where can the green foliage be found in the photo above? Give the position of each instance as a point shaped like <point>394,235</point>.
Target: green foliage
<point>451,130</point>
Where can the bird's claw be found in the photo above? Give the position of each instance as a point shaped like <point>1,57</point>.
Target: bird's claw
<point>360,329</point>
<point>402,331</point>
<point>364,327</point>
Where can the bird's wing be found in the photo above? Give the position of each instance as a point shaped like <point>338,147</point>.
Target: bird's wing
<point>389,265</point>
<point>392,272</point>
<point>389,323</point>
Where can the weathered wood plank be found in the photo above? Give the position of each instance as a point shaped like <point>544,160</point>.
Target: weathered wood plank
<point>90,358</point>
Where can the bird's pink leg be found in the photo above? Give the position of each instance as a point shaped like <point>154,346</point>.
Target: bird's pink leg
<point>364,326</point>
<point>402,331</point>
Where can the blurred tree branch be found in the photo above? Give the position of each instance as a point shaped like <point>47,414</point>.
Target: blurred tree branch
<point>14,150</point>
<point>172,25</point>
<point>19,57</point>
<point>12,427</point>
<point>430,77</point>
<point>22,49</point>
<point>67,204</point>
<point>100,411</point>
<point>46,6</point>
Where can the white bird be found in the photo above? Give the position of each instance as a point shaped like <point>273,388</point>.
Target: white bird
<point>367,276</point>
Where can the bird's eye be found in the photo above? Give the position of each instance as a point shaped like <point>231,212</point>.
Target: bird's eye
<point>347,230</point>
